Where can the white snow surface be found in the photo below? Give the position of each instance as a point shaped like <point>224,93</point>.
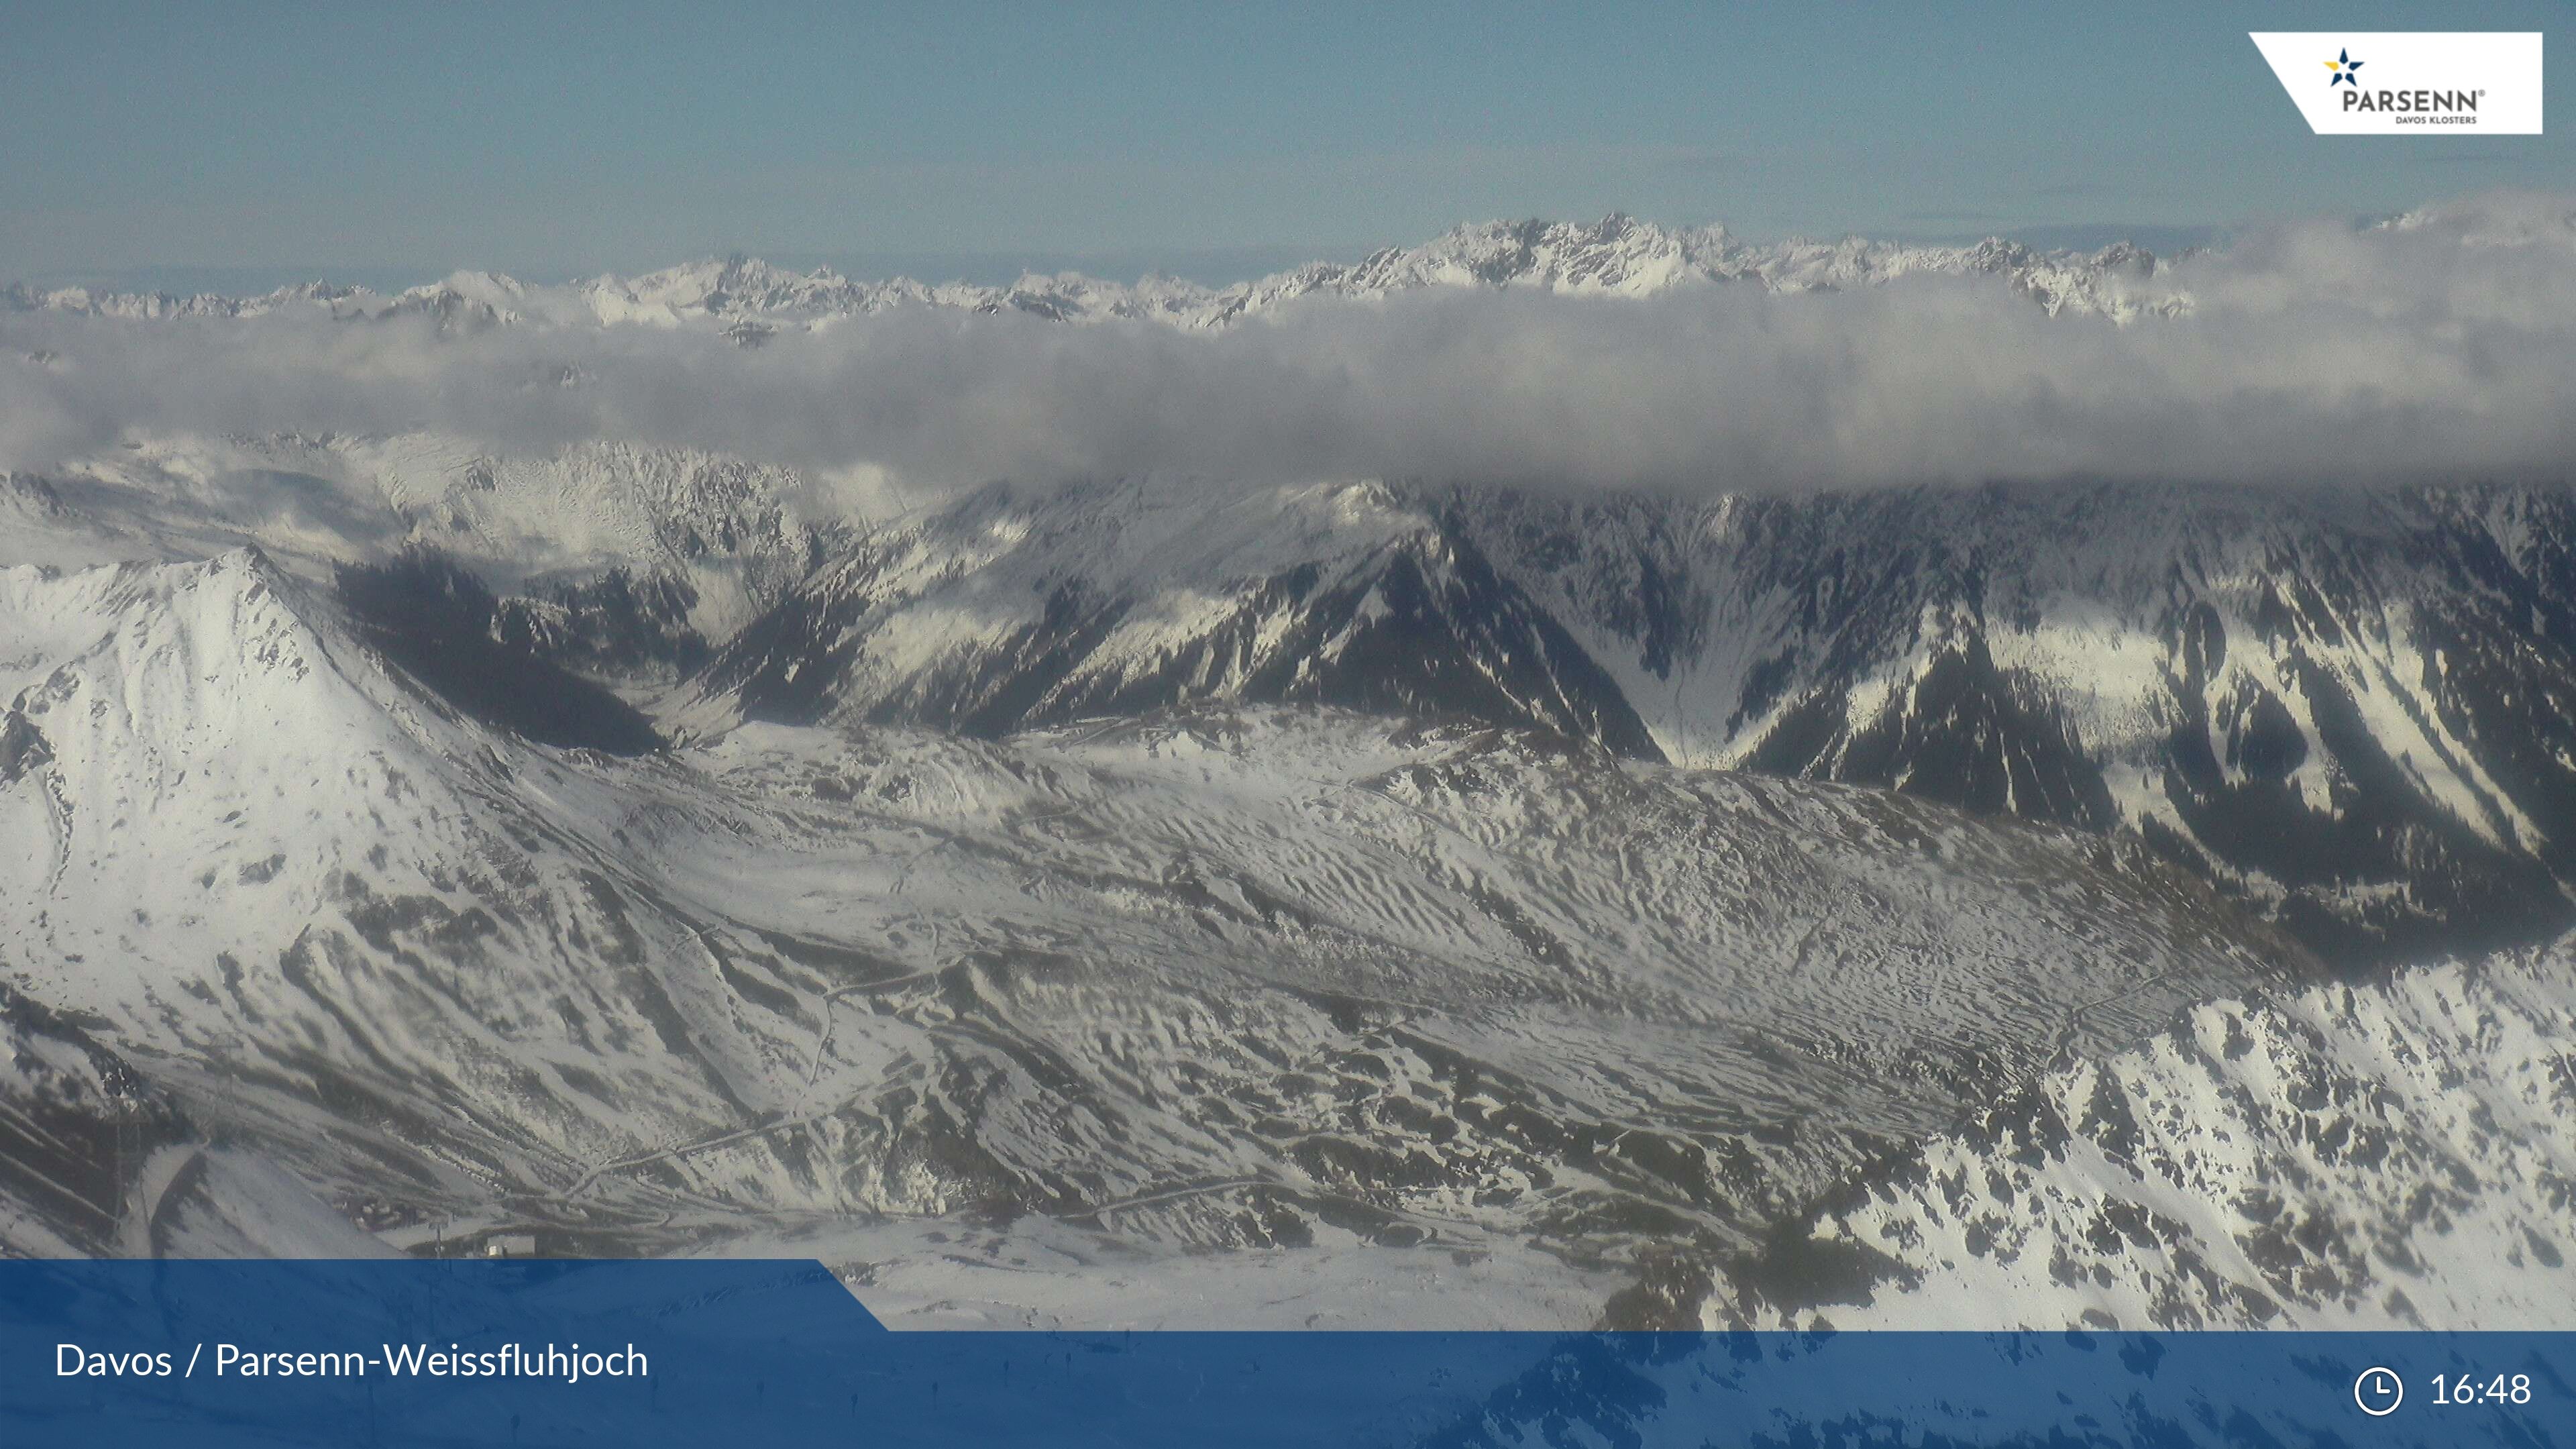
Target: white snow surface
<point>2397,1156</point>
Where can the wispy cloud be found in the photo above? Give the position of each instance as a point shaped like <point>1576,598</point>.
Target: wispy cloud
<point>2313,352</point>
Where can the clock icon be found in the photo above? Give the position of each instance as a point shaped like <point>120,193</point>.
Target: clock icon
<point>2378,1391</point>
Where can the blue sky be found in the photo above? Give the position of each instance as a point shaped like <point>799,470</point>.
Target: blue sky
<point>252,142</point>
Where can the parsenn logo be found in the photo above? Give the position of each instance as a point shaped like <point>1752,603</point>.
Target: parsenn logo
<point>2423,83</point>
<point>2347,71</point>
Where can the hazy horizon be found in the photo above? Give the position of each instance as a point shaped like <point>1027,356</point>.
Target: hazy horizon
<point>1207,267</point>
<point>371,144</point>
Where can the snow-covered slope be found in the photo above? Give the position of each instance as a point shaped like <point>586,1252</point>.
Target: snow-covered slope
<point>1236,980</point>
<point>2351,706</point>
<point>217,770</point>
<point>38,527</point>
<point>2395,1155</point>
<point>1014,609</point>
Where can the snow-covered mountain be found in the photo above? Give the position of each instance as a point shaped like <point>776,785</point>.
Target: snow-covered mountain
<point>1231,901</point>
<point>625,561</point>
<point>2353,710</point>
<point>1212,979</point>
<point>1616,256</point>
<point>1256,978</point>
<point>2392,1155</point>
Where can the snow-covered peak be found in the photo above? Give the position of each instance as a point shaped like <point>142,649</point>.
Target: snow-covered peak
<point>1615,254</point>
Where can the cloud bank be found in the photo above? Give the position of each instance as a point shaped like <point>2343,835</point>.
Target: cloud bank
<point>2440,346</point>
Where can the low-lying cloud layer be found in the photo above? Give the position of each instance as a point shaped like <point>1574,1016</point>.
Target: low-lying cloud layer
<point>2438,347</point>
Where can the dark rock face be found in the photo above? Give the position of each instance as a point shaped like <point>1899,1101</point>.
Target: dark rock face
<point>442,626</point>
<point>22,747</point>
<point>1966,734</point>
<point>623,624</point>
<point>76,1129</point>
<point>1421,625</point>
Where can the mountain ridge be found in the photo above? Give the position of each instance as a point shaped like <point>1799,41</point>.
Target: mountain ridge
<point>2340,708</point>
<point>1616,256</point>
<point>2349,706</point>
<point>2236,1171</point>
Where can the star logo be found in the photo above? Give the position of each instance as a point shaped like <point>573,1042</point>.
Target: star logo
<point>2343,66</point>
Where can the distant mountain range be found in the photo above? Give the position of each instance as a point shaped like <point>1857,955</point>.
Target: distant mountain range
<point>1616,256</point>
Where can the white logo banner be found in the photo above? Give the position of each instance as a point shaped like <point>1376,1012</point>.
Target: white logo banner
<point>2406,83</point>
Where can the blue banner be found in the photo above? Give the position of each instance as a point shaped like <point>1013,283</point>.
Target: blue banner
<point>779,1353</point>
